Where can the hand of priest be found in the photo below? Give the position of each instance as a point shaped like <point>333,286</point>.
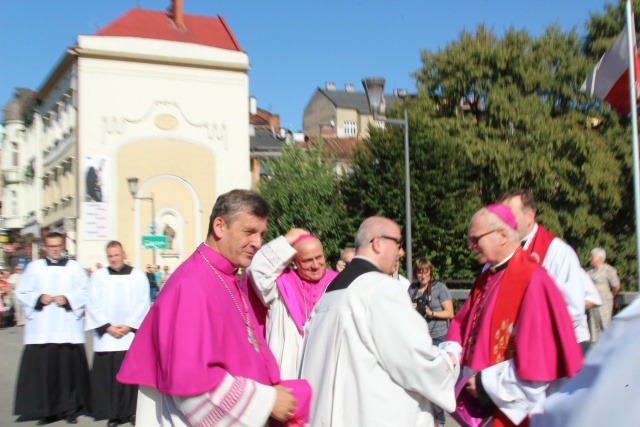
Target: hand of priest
<point>453,358</point>
<point>46,299</point>
<point>61,300</point>
<point>293,234</point>
<point>124,329</point>
<point>285,404</point>
<point>115,331</point>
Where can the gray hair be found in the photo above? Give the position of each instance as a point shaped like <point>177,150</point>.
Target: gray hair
<point>494,222</point>
<point>230,204</point>
<point>600,253</point>
<point>344,251</point>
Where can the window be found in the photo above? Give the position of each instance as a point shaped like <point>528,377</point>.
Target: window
<point>14,154</point>
<point>14,203</point>
<point>350,128</point>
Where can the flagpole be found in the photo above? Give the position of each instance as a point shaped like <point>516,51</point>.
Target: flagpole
<point>631,37</point>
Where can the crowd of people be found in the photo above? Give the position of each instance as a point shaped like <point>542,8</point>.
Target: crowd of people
<point>249,334</point>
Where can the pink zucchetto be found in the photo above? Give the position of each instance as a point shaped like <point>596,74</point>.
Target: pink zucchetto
<point>303,237</point>
<point>504,213</point>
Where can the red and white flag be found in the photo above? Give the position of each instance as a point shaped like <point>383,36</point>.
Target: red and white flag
<point>609,80</point>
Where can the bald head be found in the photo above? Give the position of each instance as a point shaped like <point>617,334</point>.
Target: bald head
<point>378,239</point>
<point>309,259</point>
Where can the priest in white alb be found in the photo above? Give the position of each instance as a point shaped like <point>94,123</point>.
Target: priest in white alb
<point>367,353</point>
<point>118,302</point>
<point>53,380</point>
<point>282,297</point>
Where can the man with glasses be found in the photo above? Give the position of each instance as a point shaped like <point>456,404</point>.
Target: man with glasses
<point>513,336</point>
<point>53,379</point>
<point>282,297</point>
<point>367,353</point>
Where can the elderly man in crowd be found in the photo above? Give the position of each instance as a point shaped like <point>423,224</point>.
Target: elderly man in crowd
<point>513,335</point>
<point>198,356</point>
<point>367,353</point>
<point>346,255</point>
<point>284,297</point>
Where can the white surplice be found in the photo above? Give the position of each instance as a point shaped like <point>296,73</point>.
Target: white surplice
<point>370,360</point>
<point>53,324</point>
<point>117,299</point>
<point>563,265</point>
<point>605,392</point>
<point>281,332</point>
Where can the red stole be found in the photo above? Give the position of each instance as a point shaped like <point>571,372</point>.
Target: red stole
<point>514,284</point>
<point>540,243</point>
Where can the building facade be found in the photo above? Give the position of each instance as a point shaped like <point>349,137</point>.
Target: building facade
<point>161,97</point>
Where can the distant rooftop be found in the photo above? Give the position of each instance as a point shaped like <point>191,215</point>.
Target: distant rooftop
<point>354,100</point>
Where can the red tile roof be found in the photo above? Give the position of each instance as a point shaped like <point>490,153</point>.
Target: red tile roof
<point>341,148</point>
<point>151,24</point>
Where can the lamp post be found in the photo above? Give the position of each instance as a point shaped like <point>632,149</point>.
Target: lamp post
<point>133,189</point>
<point>374,89</point>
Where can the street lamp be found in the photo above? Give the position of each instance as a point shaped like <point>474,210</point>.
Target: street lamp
<point>374,89</point>
<point>133,189</point>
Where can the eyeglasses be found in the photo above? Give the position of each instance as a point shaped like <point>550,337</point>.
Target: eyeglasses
<point>474,240</point>
<point>398,240</point>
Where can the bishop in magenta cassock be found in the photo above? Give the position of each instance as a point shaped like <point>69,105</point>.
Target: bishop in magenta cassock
<point>283,298</point>
<point>513,336</point>
<point>198,356</point>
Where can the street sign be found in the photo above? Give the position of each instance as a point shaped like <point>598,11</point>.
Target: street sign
<point>154,242</point>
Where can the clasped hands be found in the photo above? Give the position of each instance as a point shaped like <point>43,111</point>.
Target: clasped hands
<point>47,299</point>
<point>118,331</point>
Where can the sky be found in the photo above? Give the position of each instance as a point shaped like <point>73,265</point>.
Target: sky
<point>294,46</point>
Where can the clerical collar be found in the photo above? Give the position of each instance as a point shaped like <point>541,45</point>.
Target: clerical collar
<point>127,269</point>
<point>529,236</point>
<point>502,264</point>
<point>60,262</point>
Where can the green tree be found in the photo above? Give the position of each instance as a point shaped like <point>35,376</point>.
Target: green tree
<point>302,191</point>
<point>493,114</point>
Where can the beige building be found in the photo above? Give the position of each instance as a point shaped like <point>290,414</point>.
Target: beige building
<point>157,96</point>
<point>341,114</point>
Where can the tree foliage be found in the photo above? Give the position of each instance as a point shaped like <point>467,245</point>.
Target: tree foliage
<point>492,113</point>
<point>302,191</point>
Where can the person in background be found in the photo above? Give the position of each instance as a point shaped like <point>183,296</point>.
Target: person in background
<point>554,254</point>
<point>118,302</point>
<point>6,301</point>
<point>346,255</point>
<point>14,280</point>
<point>605,278</point>
<point>164,277</point>
<point>153,286</point>
<point>158,272</point>
<point>53,378</point>
<point>432,300</point>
